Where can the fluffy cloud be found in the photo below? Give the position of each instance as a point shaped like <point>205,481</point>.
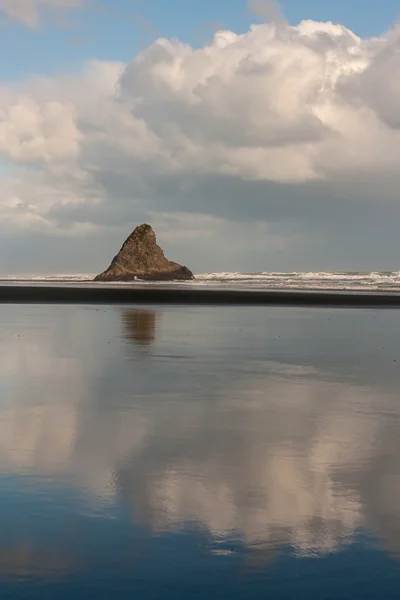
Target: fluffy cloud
<point>28,11</point>
<point>294,126</point>
<point>30,132</point>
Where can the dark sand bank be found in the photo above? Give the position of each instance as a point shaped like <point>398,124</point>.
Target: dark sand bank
<point>94,294</point>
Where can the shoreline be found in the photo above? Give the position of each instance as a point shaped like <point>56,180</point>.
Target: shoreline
<point>94,294</point>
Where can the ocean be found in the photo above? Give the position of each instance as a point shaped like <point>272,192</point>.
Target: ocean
<point>176,452</point>
<point>362,281</point>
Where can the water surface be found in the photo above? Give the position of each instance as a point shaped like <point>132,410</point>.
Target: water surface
<point>199,452</point>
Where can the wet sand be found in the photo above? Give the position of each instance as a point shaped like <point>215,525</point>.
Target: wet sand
<point>174,452</point>
<point>108,294</point>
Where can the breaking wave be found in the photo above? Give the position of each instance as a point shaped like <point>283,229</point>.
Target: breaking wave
<point>389,280</point>
<point>306,280</point>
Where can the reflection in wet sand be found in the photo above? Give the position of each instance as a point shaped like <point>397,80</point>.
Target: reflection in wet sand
<point>276,453</point>
<point>28,561</point>
<point>272,480</point>
<point>140,325</point>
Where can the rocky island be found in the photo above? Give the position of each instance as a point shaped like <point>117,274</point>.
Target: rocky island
<point>141,258</point>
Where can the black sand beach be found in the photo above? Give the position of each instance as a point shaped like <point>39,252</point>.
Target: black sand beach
<point>95,294</point>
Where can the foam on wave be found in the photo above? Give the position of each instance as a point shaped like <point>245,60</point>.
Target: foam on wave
<point>268,280</point>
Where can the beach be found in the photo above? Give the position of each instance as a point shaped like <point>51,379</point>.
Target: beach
<point>184,451</point>
<point>89,293</point>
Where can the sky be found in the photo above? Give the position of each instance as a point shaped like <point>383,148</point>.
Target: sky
<point>252,135</point>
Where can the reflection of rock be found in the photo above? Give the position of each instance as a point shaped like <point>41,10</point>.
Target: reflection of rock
<point>141,258</point>
<point>140,326</point>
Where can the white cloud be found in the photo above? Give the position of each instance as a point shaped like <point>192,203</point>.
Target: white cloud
<point>28,11</point>
<point>30,132</point>
<point>268,105</point>
<point>379,84</point>
<point>303,120</point>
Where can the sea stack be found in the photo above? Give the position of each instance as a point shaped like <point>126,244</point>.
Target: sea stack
<point>141,258</point>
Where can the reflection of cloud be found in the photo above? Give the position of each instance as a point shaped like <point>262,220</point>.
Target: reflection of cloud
<point>277,453</point>
<point>28,561</point>
<point>39,437</point>
<point>140,325</point>
<point>252,468</point>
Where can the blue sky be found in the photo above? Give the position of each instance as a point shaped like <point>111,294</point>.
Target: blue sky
<point>118,29</point>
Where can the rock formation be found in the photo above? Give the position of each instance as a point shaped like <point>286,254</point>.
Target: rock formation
<point>141,258</point>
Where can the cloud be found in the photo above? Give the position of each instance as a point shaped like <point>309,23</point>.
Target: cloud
<point>378,84</point>
<point>282,124</point>
<point>269,10</point>
<point>30,132</point>
<point>29,11</point>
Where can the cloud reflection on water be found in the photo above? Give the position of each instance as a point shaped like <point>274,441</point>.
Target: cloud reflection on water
<point>267,451</point>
